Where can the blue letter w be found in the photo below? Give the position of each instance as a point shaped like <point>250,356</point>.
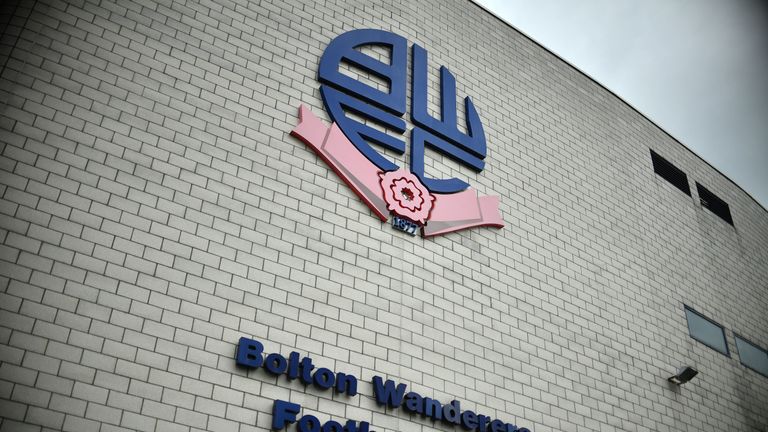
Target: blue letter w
<point>387,394</point>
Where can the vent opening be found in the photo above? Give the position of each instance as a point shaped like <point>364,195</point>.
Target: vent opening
<point>714,204</point>
<point>670,173</point>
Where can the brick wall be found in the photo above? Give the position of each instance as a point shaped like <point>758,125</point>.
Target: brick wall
<point>155,209</point>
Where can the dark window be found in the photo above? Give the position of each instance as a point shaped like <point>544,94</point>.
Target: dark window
<point>752,356</point>
<point>706,331</point>
<point>670,173</point>
<point>714,204</point>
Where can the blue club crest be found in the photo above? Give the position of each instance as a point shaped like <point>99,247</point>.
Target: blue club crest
<point>342,93</point>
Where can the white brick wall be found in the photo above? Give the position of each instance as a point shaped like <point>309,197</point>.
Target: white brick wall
<point>155,209</point>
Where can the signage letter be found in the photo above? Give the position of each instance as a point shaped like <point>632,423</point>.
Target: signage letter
<point>249,353</point>
<point>387,394</point>
<point>284,412</point>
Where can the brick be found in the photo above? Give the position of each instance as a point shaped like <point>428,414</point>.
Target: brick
<point>13,355</point>
<point>77,372</point>
<point>136,421</point>
<point>92,310</point>
<point>27,291</point>
<point>115,383</point>
<point>79,424</point>
<point>179,399</point>
<point>132,370</point>
<point>31,396</point>
<point>35,217</point>
<point>64,352</point>
<point>96,360</point>
<point>44,234</point>
<point>45,417</point>
<point>67,404</point>
<point>119,350</point>
<point>14,426</point>
<point>41,363</point>
<point>55,384</point>
<point>15,321</point>
<point>102,413</point>
<point>90,393</point>
<point>158,410</point>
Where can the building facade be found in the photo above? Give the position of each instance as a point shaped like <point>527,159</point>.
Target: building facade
<point>157,211</point>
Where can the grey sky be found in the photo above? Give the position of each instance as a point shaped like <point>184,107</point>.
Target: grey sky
<point>698,68</point>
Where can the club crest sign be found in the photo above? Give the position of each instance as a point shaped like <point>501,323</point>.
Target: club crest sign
<point>436,205</point>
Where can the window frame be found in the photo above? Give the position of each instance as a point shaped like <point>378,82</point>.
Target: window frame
<point>687,308</point>
<point>737,336</point>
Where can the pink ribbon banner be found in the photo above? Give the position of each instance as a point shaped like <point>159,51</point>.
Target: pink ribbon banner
<point>448,212</point>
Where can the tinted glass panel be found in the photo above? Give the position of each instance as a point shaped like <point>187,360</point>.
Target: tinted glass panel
<point>752,356</point>
<point>706,332</point>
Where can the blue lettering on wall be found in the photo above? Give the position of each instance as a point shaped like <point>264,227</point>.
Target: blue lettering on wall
<point>443,135</point>
<point>250,354</point>
<point>393,395</point>
<point>387,393</point>
<point>343,92</point>
<point>284,413</point>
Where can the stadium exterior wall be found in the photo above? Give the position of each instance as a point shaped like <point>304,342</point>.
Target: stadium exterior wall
<point>156,209</point>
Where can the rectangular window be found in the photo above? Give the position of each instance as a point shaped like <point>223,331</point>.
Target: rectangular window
<point>714,204</point>
<point>752,356</point>
<point>670,173</point>
<point>705,331</point>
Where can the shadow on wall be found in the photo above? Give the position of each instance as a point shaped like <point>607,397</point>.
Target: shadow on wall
<point>748,400</point>
<point>13,19</point>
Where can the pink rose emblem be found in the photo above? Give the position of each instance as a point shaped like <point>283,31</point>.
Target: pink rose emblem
<point>406,196</point>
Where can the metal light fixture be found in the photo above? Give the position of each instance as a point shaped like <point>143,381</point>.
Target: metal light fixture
<point>683,375</point>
